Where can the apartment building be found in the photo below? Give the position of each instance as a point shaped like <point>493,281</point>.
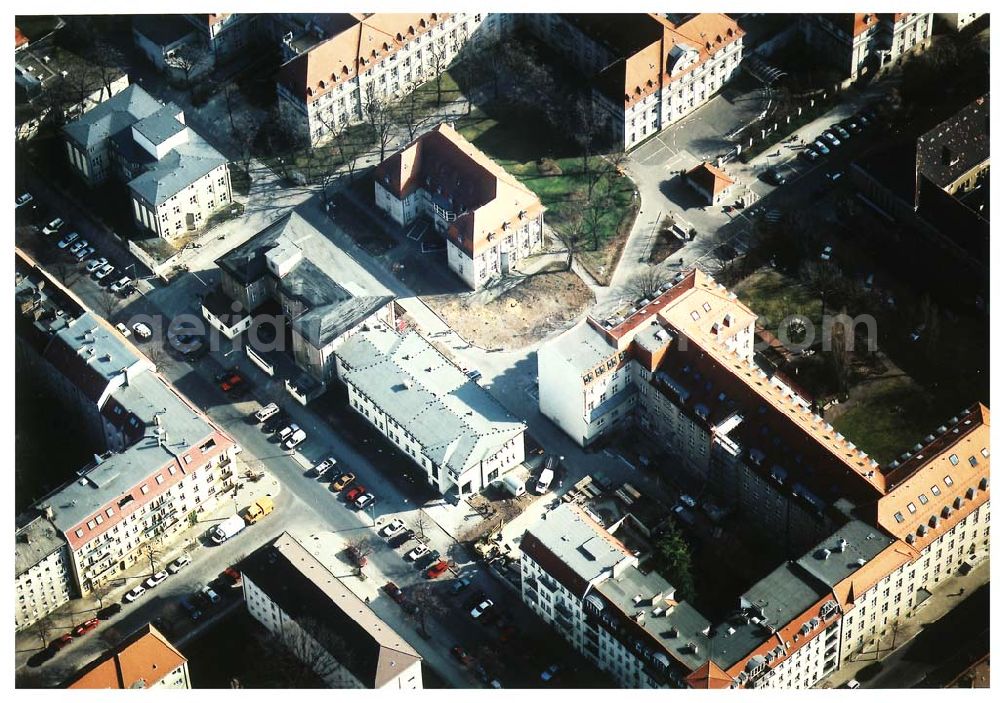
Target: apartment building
<point>175,179</point>
<point>647,71</point>
<point>144,659</point>
<point>291,268</point>
<point>297,598</point>
<point>450,427</point>
<point>858,43</point>
<point>346,60</point>
<point>490,219</point>
<point>42,580</point>
<point>956,21</point>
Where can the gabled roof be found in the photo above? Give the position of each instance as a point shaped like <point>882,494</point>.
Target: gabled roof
<point>709,675</point>
<point>463,180</point>
<point>141,660</point>
<point>710,178</point>
<point>111,116</point>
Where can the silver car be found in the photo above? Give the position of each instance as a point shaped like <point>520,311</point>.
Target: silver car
<point>95,264</point>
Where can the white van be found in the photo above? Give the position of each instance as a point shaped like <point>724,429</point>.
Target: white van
<point>267,411</point>
<point>544,481</point>
<point>287,432</point>
<point>297,438</point>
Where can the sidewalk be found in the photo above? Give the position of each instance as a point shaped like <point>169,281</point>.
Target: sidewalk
<point>946,595</point>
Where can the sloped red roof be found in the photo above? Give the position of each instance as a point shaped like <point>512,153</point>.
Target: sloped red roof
<point>140,661</point>
<point>710,178</point>
<point>709,675</point>
<point>19,38</point>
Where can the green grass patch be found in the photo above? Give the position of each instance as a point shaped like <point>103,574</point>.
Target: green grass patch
<point>526,148</point>
<point>891,414</point>
<point>774,296</point>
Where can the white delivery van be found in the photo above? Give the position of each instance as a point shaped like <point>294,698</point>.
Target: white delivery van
<point>228,528</point>
<point>544,481</point>
<point>269,410</point>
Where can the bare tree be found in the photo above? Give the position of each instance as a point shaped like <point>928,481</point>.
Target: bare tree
<point>421,522</point>
<point>102,590</point>
<point>840,344</point>
<point>43,627</point>
<point>153,551</point>
<point>107,303</point>
<point>379,117</point>
<point>593,215</point>
<point>426,602</point>
<point>822,278</point>
<point>646,281</point>
<point>187,58</point>
<point>306,650</point>
<point>587,127</point>
<point>409,115</point>
<point>361,547</point>
<point>245,130</point>
<point>438,55</point>
<point>572,233</point>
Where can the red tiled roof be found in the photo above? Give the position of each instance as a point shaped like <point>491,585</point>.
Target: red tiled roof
<point>710,178</point>
<point>140,661</point>
<point>709,675</point>
<point>19,38</point>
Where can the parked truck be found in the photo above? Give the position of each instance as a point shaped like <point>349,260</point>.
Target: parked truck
<point>228,528</point>
<point>261,509</point>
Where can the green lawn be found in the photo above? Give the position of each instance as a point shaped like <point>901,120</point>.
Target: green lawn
<point>519,143</point>
<point>890,416</point>
<point>775,297</point>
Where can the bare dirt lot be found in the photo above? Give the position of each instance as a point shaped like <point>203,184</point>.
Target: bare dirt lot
<point>525,313</point>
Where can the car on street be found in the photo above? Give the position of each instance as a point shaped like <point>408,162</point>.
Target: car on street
<point>231,382</point>
<point>460,584</point>
<point>95,264</point>
<point>417,552</point>
<point>394,592</point>
<point>461,655</point>
<point>392,528</point>
<point>689,501</point>
<point>109,611</point>
<point>321,468</point>
<point>287,431</point>
<point>830,138</point>
<point>343,482</point>
<point>853,125</point>
<point>85,253</point>
<point>67,240</point>
<point>827,253</point>
<point>549,673</point>
<point>481,608</point>
<point>61,641</point>
<point>120,284</point>
<point>189,606</point>
<point>123,329</point>
<point>353,494</point>
<point>297,438</point>
<point>53,226</point>
<point>103,272</point>
<point>85,627</point>
<point>156,579</point>
<point>810,154</point>
<point>437,569</point>
<point>179,563</point>
<point>274,422</point>
<point>863,120</point>
<point>426,560</point>
<point>402,538</point>
<point>210,594</point>
<point>840,131</point>
<point>365,500</point>
<point>134,594</point>
<point>821,147</point>
<point>477,596</point>
<point>356,556</point>
<point>23,199</point>
<point>269,410</point>
<point>834,176</point>
<point>142,330</point>
<point>474,374</point>
<point>78,245</point>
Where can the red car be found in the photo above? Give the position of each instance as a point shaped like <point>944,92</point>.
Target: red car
<point>61,642</point>
<point>85,627</point>
<point>231,382</point>
<point>355,493</point>
<point>234,576</point>
<point>394,592</point>
<point>437,569</point>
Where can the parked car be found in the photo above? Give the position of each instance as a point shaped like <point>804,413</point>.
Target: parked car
<point>474,374</point>
<point>417,552</point>
<point>123,330</point>
<point>190,607</point>
<point>392,528</point>
<point>287,431</point>
<point>353,494</point>
<point>437,569</point>
<point>54,226</point>
<point>67,240</point>
<point>827,253</point>
<point>211,595</point>
<point>268,411</point>
<point>231,382</point>
<point>120,284</point>
<point>272,423</point>
<point>84,253</point>
<point>156,579</point>
<point>356,556</point>
<point>103,272</point>
<point>394,592</point>
<point>343,482</point>
<point>401,539</point>
<point>365,500</point>
<point>95,264</point>
<point>234,577</point>
<point>179,563</point>
<point>460,584</point>
<point>689,501</point>
<point>840,131</point>
<point>918,332</point>
<point>297,438</point>
<point>480,609</point>
<point>810,154</point>
<point>835,176</point>
<point>109,611</point>
<point>85,627</point>
<point>477,596</point>
<point>78,245</point>
<point>322,467</point>
<point>830,138</point>
<point>853,683</point>
<point>550,672</point>
<point>862,119</point>
<point>22,200</point>
<point>427,559</point>
<point>142,330</point>
<point>134,594</point>
<point>61,641</point>
<point>461,655</point>
<point>821,147</point>
<point>853,125</point>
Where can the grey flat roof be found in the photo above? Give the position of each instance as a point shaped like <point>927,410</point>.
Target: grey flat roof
<point>34,541</point>
<point>145,396</point>
<point>582,347</point>
<point>161,125</point>
<point>573,539</point>
<point>456,422</point>
<point>111,116</point>
<point>179,168</point>
<point>830,565</point>
<point>338,292</point>
<point>163,30</point>
<point>312,596</point>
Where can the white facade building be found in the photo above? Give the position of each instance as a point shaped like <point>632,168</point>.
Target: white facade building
<point>42,578</point>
